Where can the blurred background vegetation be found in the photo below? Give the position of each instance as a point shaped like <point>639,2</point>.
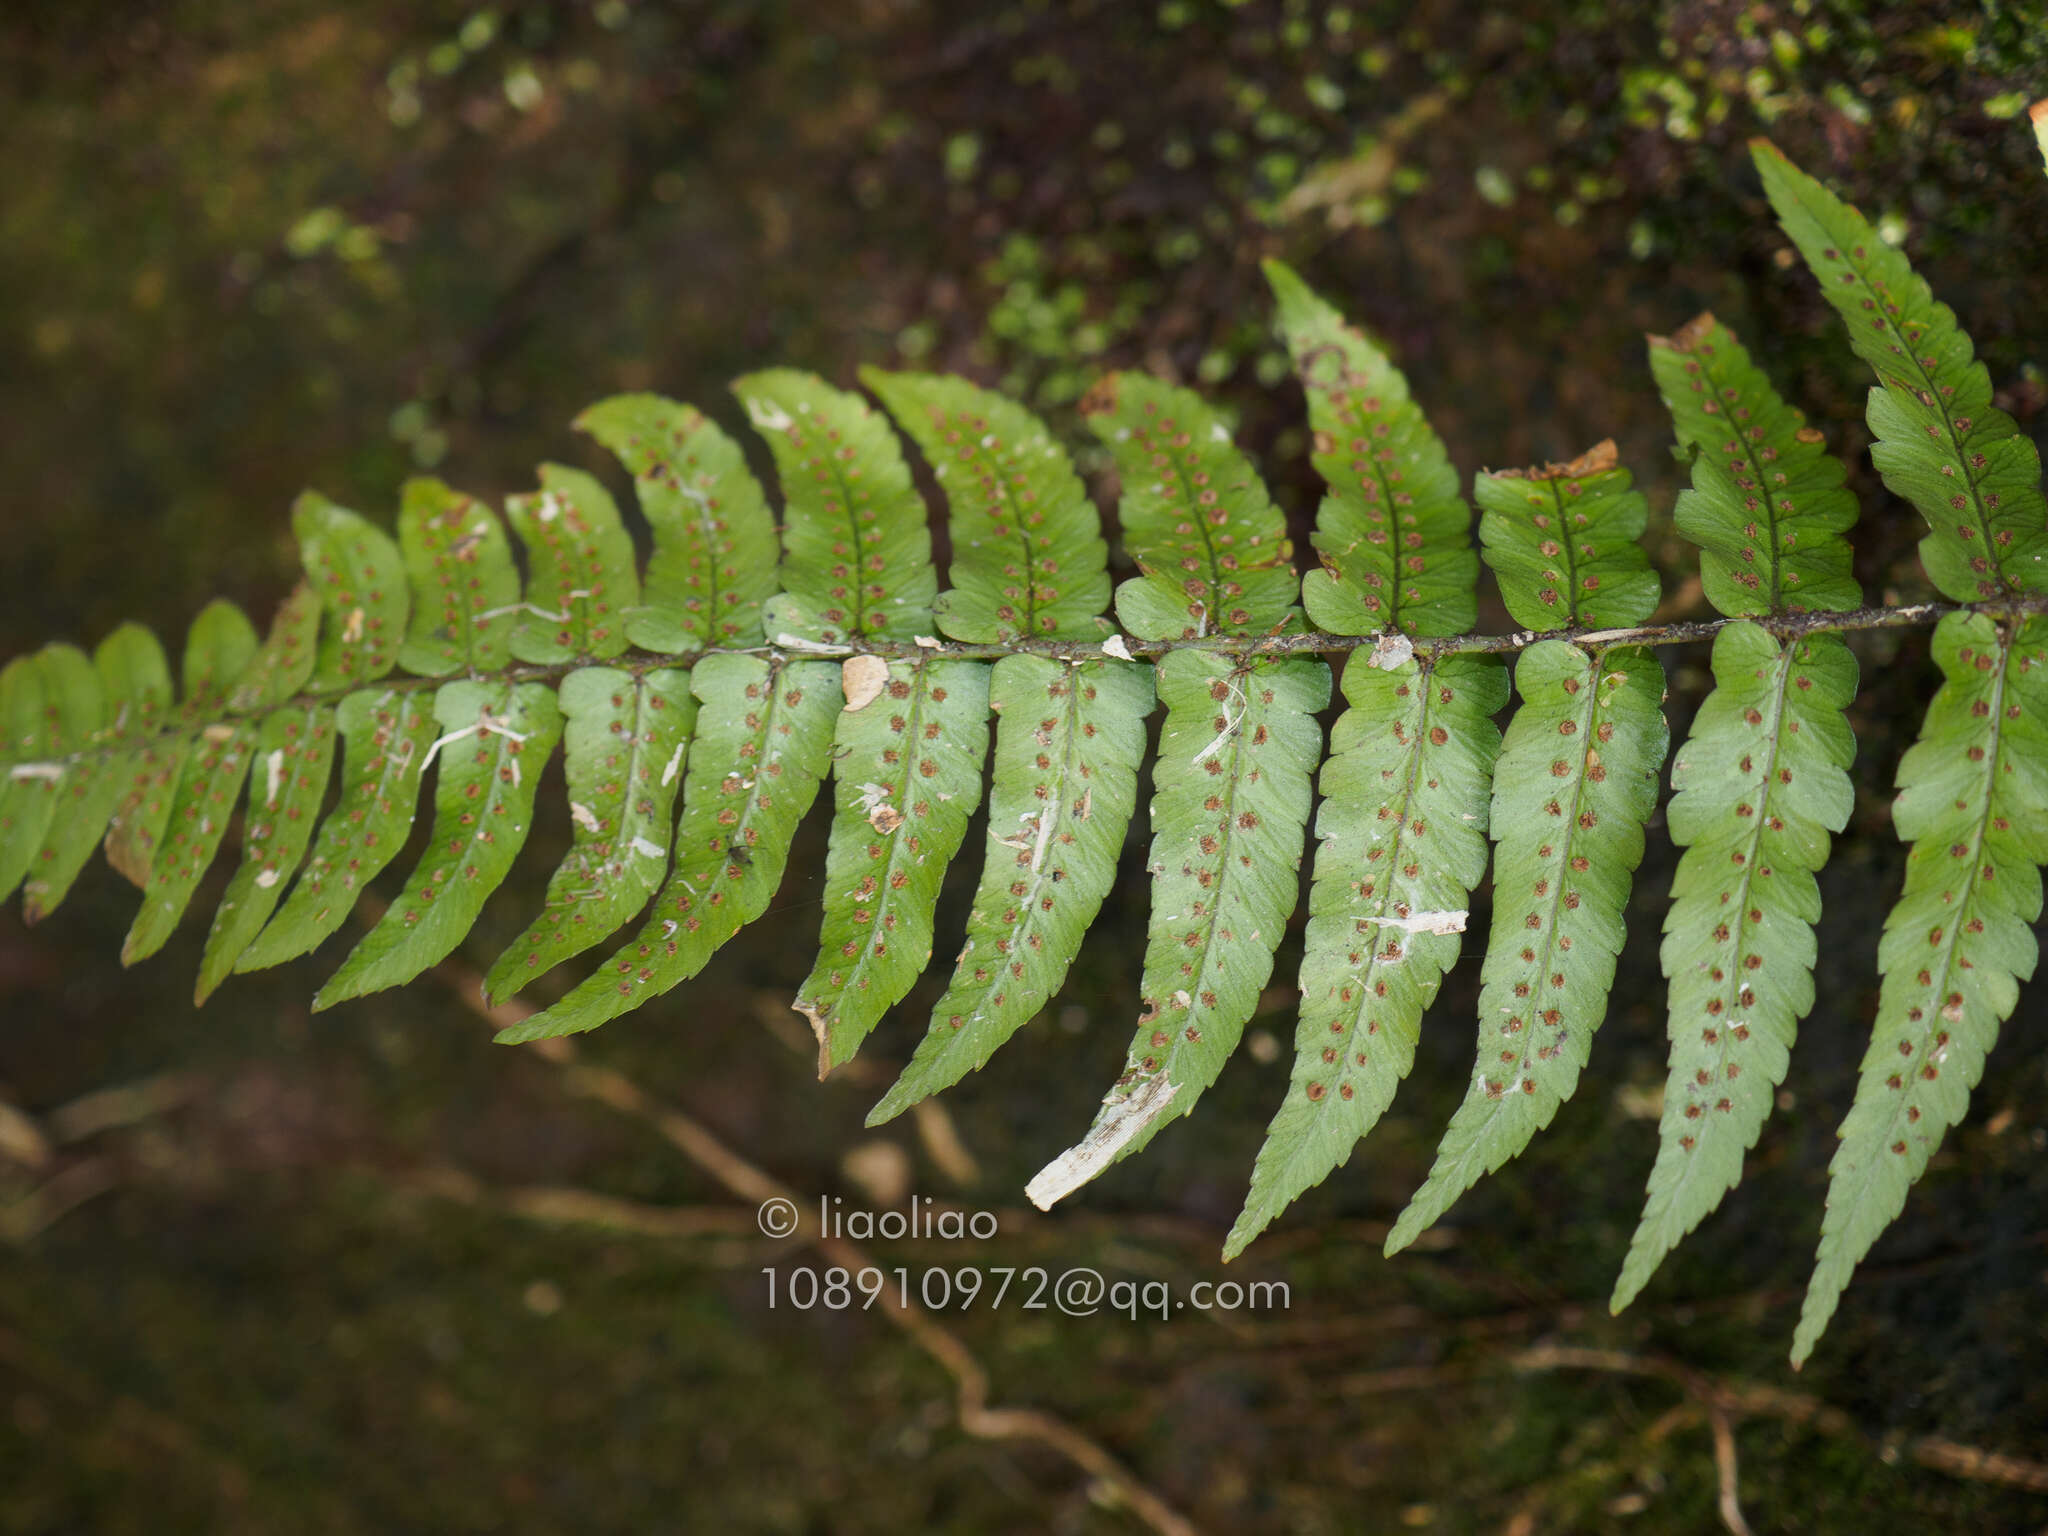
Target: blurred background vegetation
<point>283,1276</point>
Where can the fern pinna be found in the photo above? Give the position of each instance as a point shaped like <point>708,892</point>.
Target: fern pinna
<point>702,702</point>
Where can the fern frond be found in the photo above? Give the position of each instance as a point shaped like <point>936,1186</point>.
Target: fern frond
<point>496,738</point>
<point>1402,830</point>
<point>1768,502</point>
<point>714,540</point>
<point>290,766</point>
<point>51,704</point>
<point>581,586</point>
<point>135,685</point>
<point>218,650</point>
<point>763,744</point>
<point>360,576</point>
<point>1575,783</point>
<point>1197,520</point>
<point>1941,443</point>
<point>1403,841</point>
<point>210,778</point>
<point>1561,541</point>
<point>1231,794</point>
<point>464,590</point>
<point>1761,782</point>
<point>1232,782</point>
<point>1028,553</point>
<point>1972,793</point>
<point>182,814</point>
<point>907,764</point>
<point>283,664</point>
<point>1394,534</point>
<point>627,738</point>
<point>1029,560</point>
<point>856,554</point>
<point>385,735</point>
<point>1069,740</point>
<point>906,778</point>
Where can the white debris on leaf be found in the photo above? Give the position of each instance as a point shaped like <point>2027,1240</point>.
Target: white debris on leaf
<point>584,817</point>
<point>1114,646</point>
<point>49,773</point>
<point>862,678</point>
<point>768,416</point>
<point>1390,651</point>
<point>790,642</point>
<point>1424,922</point>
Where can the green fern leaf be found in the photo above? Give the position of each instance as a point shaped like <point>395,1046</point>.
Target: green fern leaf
<point>857,556</point>
<point>581,589</point>
<point>496,738</point>
<point>1237,755</point>
<point>385,735</point>
<point>1561,540</point>
<point>360,576</point>
<point>1972,793</point>
<point>283,665</point>
<point>464,588</point>
<point>1211,545</point>
<point>135,682</point>
<point>198,799</point>
<point>1575,783</point>
<point>1394,534</point>
<point>1028,554</point>
<point>291,764</point>
<point>1068,743</point>
<point>1409,763</point>
<point>714,540</point>
<point>1768,503</point>
<point>1760,784</point>
<point>763,744</point>
<point>1941,443</point>
<point>202,803</point>
<point>1230,805</point>
<point>51,703</point>
<point>218,651</point>
<point>906,778</point>
<point>1403,842</point>
<point>627,738</point>
<point>1028,560</point>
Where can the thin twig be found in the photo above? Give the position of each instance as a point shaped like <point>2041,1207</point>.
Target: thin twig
<point>1727,1473</point>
